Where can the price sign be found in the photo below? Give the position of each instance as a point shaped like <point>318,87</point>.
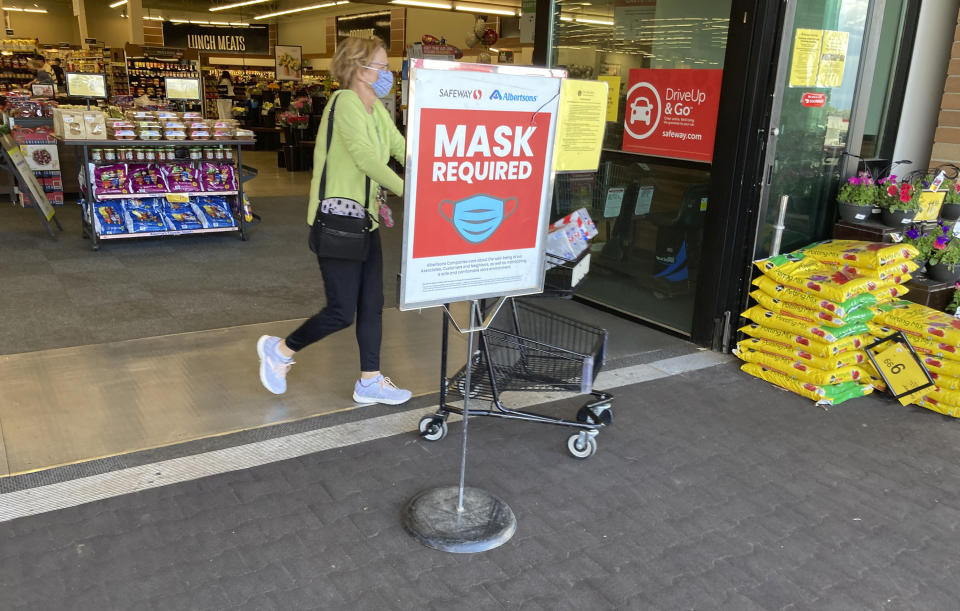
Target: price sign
<point>930,203</point>
<point>900,367</point>
<point>178,198</point>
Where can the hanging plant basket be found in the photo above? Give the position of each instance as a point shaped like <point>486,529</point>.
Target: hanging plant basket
<point>853,213</point>
<point>898,218</point>
<point>944,272</point>
<point>950,212</point>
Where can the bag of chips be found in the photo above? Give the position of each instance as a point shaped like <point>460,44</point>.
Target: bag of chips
<point>804,343</point>
<point>833,394</point>
<point>180,216</point>
<point>920,320</point>
<point>143,215</point>
<point>812,316</point>
<point>110,179</point>
<point>109,217</point>
<point>803,371</point>
<point>827,282</point>
<point>181,178</point>
<point>826,335</point>
<point>145,178</point>
<point>217,177</point>
<point>865,255</point>
<point>837,361</point>
<point>213,212</point>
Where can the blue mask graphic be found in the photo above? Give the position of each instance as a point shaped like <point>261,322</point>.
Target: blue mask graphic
<point>383,84</point>
<point>476,218</point>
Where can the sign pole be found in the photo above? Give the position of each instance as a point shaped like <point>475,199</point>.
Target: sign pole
<point>474,316</point>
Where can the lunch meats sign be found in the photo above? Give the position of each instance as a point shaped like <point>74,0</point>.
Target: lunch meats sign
<point>672,113</point>
<point>254,39</point>
<point>477,191</point>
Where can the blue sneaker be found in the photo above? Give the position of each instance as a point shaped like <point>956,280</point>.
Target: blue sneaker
<point>380,390</point>
<point>273,365</point>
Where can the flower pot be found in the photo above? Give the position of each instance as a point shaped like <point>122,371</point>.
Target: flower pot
<point>898,218</point>
<point>853,213</point>
<point>921,267</point>
<point>944,272</point>
<point>950,212</point>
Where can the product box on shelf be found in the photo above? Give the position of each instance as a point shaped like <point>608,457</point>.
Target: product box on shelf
<point>95,125</point>
<point>68,124</point>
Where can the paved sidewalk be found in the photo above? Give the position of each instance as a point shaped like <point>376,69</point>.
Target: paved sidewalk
<point>711,490</point>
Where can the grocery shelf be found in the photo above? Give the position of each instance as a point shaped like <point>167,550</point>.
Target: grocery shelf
<point>108,197</point>
<point>155,234</point>
<point>210,142</point>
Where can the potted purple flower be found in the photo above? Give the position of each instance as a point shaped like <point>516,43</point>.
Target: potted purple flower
<point>923,242</point>
<point>856,197</point>
<point>944,262</point>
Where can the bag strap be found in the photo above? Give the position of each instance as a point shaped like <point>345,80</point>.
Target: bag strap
<point>323,173</point>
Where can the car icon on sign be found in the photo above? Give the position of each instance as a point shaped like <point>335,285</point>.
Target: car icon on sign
<point>640,110</point>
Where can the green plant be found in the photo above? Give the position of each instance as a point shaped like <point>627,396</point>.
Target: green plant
<point>952,188</point>
<point>946,249</point>
<point>859,190</point>
<point>921,240</point>
<point>898,196</point>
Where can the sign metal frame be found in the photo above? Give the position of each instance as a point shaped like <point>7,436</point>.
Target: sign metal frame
<point>898,338</point>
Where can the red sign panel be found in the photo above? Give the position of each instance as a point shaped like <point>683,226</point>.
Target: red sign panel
<point>479,181</point>
<point>672,113</point>
<point>813,100</point>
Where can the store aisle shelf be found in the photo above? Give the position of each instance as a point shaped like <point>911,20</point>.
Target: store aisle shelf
<point>149,195</point>
<point>156,234</point>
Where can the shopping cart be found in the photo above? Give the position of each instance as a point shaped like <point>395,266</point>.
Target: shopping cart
<point>529,348</point>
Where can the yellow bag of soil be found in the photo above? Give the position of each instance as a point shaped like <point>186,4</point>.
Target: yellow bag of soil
<point>803,343</point>
<point>943,367</point>
<point>827,282</point>
<point>844,359</point>
<point>823,395</point>
<point>920,320</point>
<point>924,345</point>
<point>815,302</point>
<point>814,332</point>
<point>936,406</point>
<point>818,317</point>
<point>802,371</point>
<point>865,255</point>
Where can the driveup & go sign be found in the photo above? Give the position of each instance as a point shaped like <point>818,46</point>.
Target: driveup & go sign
<point>672,113</point>
<point>478,181</point>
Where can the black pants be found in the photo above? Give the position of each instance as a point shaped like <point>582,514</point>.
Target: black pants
<point>351,287</point>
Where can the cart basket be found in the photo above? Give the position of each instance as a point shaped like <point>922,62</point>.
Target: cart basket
<point>533,349</point>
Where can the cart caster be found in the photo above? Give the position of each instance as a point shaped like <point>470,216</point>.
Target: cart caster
<point>433,428</point>
<point>598,414</point>
<point>583,444</point>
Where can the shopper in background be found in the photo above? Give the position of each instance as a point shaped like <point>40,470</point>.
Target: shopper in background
<point>43,77</point>
<point>57,71</point>
<point>225,95</point>
<point>364,139</point>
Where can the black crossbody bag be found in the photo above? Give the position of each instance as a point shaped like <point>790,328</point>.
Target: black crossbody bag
<point>334,236</point>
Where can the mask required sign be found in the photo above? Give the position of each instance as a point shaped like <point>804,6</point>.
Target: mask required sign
<point>477,193</point>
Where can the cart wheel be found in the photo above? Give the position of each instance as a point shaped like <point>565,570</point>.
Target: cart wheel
<point>598,414</point>
<point>581,448</point>
<point>433,428</point>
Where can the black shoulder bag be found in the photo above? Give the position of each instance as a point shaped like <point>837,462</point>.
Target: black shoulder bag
<point>339,236</point>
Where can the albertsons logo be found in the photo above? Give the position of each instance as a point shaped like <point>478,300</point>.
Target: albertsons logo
<point>512,97</point>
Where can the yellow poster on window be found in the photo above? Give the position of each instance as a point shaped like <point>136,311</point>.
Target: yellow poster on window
<point>580,126</point>
<point>930,203</point>
<point>806,58</point>
<point>613,96</point>
<point>833,58</point>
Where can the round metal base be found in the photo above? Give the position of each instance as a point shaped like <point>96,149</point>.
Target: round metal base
<point>486,522</point>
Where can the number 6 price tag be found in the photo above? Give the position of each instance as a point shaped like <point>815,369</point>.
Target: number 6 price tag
<point>899,366</point>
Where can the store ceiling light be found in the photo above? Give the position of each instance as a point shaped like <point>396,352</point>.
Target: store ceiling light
<point>312,7</point>
<point>489,10</point>
<point>444,5</point>
<point>594,21</point>
<point>224,7</point>
<point>154,18</point>
<point>119,3</point>
<point>24,10</point>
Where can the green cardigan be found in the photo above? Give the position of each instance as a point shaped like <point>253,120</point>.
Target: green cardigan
<point>362,144</point>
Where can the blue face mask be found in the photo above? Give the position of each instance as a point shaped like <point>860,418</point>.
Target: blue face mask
<point>384,82</point>
<point>476,218</point>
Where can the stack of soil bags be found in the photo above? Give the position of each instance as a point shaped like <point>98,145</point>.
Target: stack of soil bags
<point>936,338</point>
<point>809,326</point>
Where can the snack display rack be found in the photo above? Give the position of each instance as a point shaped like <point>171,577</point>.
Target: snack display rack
<point>83,148</point>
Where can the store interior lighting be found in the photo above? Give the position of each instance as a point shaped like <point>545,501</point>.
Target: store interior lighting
<point>487,10</point>
<point>25,10</point>
<point>118,3</point>
<point>312,7</point>
<point>440,5</point>
<point>224,7</point>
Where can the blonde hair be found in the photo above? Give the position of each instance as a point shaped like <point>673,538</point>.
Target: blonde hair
<point>351,55</point>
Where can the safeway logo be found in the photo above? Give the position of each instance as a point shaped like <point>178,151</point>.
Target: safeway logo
<point>477,94</point>
<point>496,95</point>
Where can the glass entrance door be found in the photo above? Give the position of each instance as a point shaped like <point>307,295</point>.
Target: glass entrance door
<point>814,100</point>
